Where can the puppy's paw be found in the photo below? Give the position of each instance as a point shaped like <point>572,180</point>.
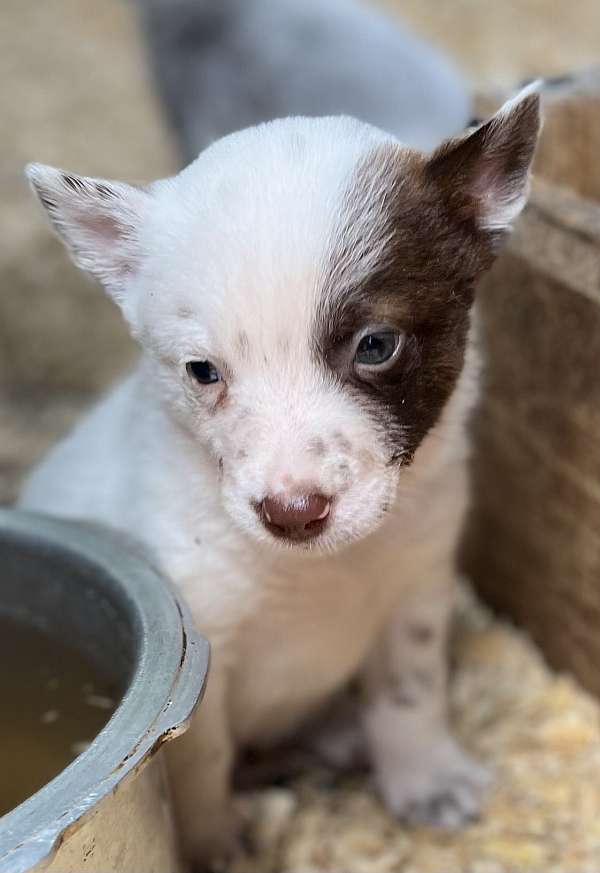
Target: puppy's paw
<point>441,786</point>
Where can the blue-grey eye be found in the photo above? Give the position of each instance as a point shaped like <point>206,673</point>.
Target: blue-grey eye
<point>376,348</point>
<point>203,372</point>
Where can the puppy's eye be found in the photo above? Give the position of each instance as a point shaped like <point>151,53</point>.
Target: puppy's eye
<point>203,372</point>
<point>377,348</point>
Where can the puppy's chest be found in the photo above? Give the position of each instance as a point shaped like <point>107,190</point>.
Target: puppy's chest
<point>309,635</point>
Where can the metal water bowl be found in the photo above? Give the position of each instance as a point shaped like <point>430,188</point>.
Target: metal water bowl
<point>109,810</point>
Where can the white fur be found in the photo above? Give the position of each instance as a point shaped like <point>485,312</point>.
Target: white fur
<point>236,244</point>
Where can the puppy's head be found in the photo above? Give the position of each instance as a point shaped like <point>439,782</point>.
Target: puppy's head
<point>302,292</point>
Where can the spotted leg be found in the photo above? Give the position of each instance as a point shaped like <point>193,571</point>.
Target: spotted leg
<point>422,773</point>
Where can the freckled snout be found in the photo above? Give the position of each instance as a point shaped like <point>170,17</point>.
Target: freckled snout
<point>297,517</point>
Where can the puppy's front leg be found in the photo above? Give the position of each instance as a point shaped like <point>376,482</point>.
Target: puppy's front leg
<point>422,773</point>
<point>200,765</point>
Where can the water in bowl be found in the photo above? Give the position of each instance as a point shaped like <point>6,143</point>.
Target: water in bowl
<point>52,705</point>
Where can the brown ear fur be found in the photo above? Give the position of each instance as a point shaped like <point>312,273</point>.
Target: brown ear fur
<point>486,173</point>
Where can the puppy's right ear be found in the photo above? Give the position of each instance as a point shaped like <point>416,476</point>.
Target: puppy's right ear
<point>486,173</point>
<point>99,222</point>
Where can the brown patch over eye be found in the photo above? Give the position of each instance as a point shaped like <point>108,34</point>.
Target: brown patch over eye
<point>420,286</point>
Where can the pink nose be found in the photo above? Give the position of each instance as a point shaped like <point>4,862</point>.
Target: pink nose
<point>297,518</point>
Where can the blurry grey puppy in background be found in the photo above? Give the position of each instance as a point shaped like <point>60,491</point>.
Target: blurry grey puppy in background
<point>221,65</point>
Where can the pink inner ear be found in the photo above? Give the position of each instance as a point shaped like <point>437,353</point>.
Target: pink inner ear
<point>488,182</point>
<point>109,232</point>
<point>492,164</point>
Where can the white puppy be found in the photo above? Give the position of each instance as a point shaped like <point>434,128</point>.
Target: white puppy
<point>292,444</point>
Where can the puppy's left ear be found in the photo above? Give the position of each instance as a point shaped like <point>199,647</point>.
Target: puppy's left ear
<point>485,175</point>
<point>99,222</point>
